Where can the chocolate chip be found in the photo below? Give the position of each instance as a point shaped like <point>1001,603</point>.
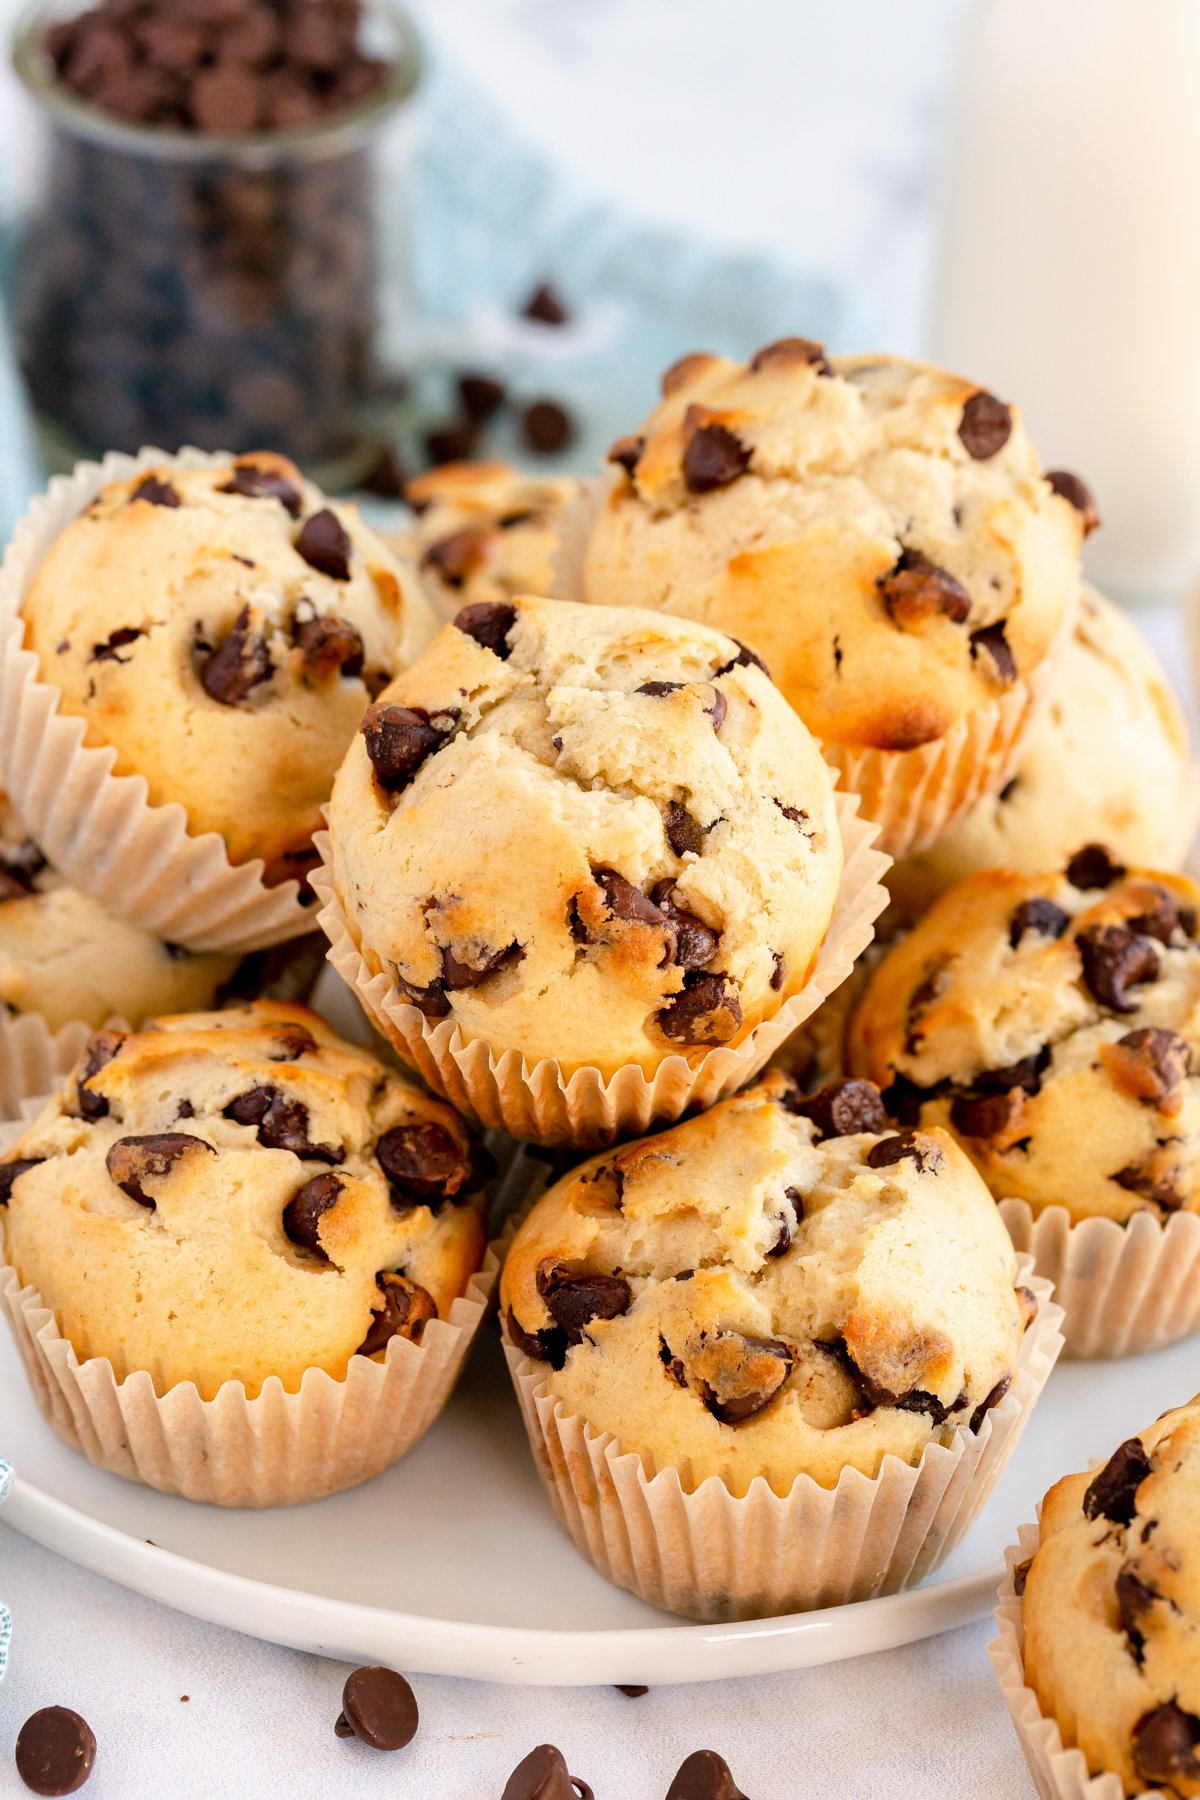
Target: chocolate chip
<point>430,1001</point>
<point>19,869</point>
<point>330,646</point>
<point>684,833</point>
<point>1165,1743</point>
<point>889,1150</point>
<point>1115,959</point>
<point>657,689</point>
<point>133,1160</point>
<point>482,396</point>
<point>452,441</point>
<point>989,1401</point>
<point>489,622</point>
<point>916,590</point>
<point>386,478</point>
<point>707,1011</point>
<point>1167,921</point>
<point>574,1298</point>
<point>404,1311</point>
<point>1151,1181</point>
<point>292,1042</point>
<point>547,427</point>
<point>1112,1493</point>
<point>102,1046</point>
<point>258,483</point>
<point>456,556</point>
<point>842,1108</point>
<point>1039,916</point>
<point>282,1123</point>
<point>378,1708</point>
<point>423,1162</point>
<point>704,1776</point>
<point>546,305</point>
<point>714,457</point>
<point>1134,1600</point>
<point>1094,867</point>
<point>792,351</point>
<point>626,902</point>
<point>307,1206</point>
<point>398,740</point>
<point>795,814</point>
<point>549,1344</point>
<point>1150,1063</point>
<point>991,638</point>
<point>630,1691</point>
<point>475,964</point>
<point>238,665</point>
<point>156,492</point>
<point>695,943</point>
<point>735,1376</point>
<point>776,971</point>
<point>11,1172</point>
<point>1076,493</point>
<point>116,640</point>
<point>55,1751</point>
<point>982,1116</point>
<point>1021,1576</point>
<point>542,1775</point>
<point>324,543</point>
<point>627,453</point>
<point>985,426</point>
<point>716,708</point>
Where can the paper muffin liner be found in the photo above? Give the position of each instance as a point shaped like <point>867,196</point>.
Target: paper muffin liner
<point>711,1555</point>
<point>34,1059</point>
<point>816,1054</point>
<point>1057,1771</point>
<point>1125,1289</point>
<point>914,796</point>
<point>139,860</point>
<point>536,1102</point>
<point>277,1449</point>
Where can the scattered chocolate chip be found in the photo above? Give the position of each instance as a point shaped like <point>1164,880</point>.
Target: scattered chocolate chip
<point>1112,1493</point>
<point>307,1207</point>
<point>985,426</point>
<point>292,1042</point>
<point>626,902</point>
<point>991,638</point>
<point>549,1344</point>
<point>657,689</point>
<point>482,396</point>
<point>695,943</point>
<point>1168,922</point>
<point>574,1298</point>
<point>330,646</point>
<point>716,709</point>
<point>704,1776</point>
<point>238,665</point>
<point>684,833</point>
<point>547,427</point>
<point>11,1172</point>
<point>542,1775</point>
<point>19,869</point>
<point>989,1401</point>
<point>102,1046</point>
<point>1021,1576</point>
<point>324,543</point>
<point>431,1000</point>
<point>982,1115</point>
<point>378,1708</point>
<point>255,482</point>
<point>1094,867</point>
<point>489,622</point>
<point>791,351</point>
<point>714,457</point>
<point>630,1691</point>
<point>746,658</point>
<point>387,477</point>
<point>1165,1742</point>
<point>842,1109</point>
<point>708,1011</point>
<point>546,305</point>
<point>116,640</point>
<point>452,441</point>
<point>894,1149</point>
<point>55,1751</point>
<point>627,453</point>
<point>468,970</point>
<point>776,971</point>
<point>1025,1074</point>
<point>1115,959</point>
<point>1134,1600</point>
<point>398,739</point>
<point>282,1123</point>
<point>423,1162</point>
<point>795,814</point>
<point>1041,917</point>
<point>404,1311</point>
<point>1076,493</point>
<point>156,492</point>
<point>133,1160</point>
<point>1150,1064</point>
<point>916,590</point>
<point>456,557</point>
<point>735,1376</point>
<point>1152,1181</point>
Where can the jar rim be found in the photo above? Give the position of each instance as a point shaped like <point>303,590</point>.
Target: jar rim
<point>343,131</point>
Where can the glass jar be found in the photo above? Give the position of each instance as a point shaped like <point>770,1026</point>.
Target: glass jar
<point>176,288</point>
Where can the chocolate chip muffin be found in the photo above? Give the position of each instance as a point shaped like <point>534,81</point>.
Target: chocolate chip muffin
<point>230,1196</point>
<point>1051,1022</point>
<point>1110,1609</point>
<point>64,957</point>
<point>486,532</point>
<point>780,1286</point>
<point>222,628</point>
<point>1108,757</point>
<point>586,834</point>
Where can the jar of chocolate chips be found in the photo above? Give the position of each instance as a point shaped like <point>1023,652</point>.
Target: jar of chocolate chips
<point>204,262</point>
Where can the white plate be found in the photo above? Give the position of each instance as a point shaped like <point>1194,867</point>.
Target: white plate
<point>452,1563</point>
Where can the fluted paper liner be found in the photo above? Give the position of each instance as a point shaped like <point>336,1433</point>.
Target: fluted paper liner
<point>712,1555</point>
<point>914,796</point>
<point>1058,1771</point>
<point>34,1059</point>
<point>1125,1289</point>
<point>140,861</point>
<point>536,1102</point>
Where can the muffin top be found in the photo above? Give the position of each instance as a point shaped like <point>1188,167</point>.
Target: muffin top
<point>1109,749</point>
<point>1051,1023</point>
<point>881,532</point>
<point>487,532</point>
<point>63,956</point>
<point>1112,1608</point>
<point>779,1286</point>
<point>588,834</point>
<point>229,1196</point>
<point>223,629</point>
